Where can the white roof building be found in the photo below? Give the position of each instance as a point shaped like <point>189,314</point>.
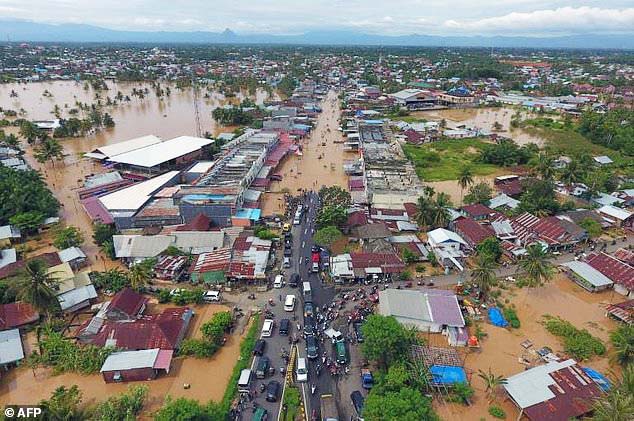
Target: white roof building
<point>10,347</point>
<point>588,274</point>
<point>108,151</point>
<point>158,153</point>
<point>8,256</point>
<point>503,200</point>
<point>128,360</point>
<point>70,254</point>
<point>132,198</point>
<point>615,213</point>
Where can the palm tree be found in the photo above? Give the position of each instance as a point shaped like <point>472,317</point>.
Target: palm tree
<point>483,274</point>
<point>536,265</point>
<point>140,274</point>
<point>492,382</point>
<point>465,179</point>
<point>49,149</point>
<point>571,173</point>
<point>623,340</point>
<point>615,406</point>
<point>543,166</point>
<point>37,287</point>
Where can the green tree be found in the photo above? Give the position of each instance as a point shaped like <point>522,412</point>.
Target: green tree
<point>22,192</point>
<point>183,409</point>
<point>27,222</point>
<point>571,173</point>
<point>405,404</point>
<point>34,285</point>
<point>479,193</point>
<point>623,341</point>
<point>492,382</point>
<point>124,407</point>
<point>483,274</point>
<point>29,131</point>
<point>102,233</point>
<point>48,150</point>
<point>64,404</point>
<point>141,274</point>
<point>112,280</point>
<point>542,165</point>
<point>465,179</point>
<point>385,340</point>
<point>326,236</point>
<point>593,227</point>
<point>490,248</point>
<point>537,266</point>
<point>68,237</point>
<point>617,405</point>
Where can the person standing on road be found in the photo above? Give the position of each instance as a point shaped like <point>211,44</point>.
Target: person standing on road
<point>280,298</point>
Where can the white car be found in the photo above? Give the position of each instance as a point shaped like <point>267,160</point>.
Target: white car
<point>267,328</point>
<point>211,296</point>
<point>302,370</point>
<point>279,281</point>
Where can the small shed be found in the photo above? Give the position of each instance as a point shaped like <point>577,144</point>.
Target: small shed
<point>140,365</point>
<point>11,350</point>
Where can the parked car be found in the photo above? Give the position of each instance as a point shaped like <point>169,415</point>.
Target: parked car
<point>273,391</point>
<point>211,296</point>
<point>357,331</point>
<point>312,349</point>
<point>260,346</point>
<point>267,328</point>
<point>287,262</point>
<point>308,309</point>
<point>285,327</point>
<point>288,251</point>
<point>279,281</point>
<point>295,280</point>
<point>309,326</point>
<point>263,367</point>
<point>302,370</point>
<point>289,303</point>
<point>357,403</point>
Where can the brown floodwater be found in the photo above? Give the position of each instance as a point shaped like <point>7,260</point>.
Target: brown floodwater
<point>165,117</point>
<point>208,378</point>
<point>484,119</point>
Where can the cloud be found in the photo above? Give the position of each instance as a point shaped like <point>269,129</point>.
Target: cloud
<point>555,21</point>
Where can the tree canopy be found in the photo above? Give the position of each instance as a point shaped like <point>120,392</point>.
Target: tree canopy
<point>24,192</point>
<point>386,340</point>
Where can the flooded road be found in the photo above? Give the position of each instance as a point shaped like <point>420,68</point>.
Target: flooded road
<point>484,119</point>
<point>321,162</point>
<point>208,378</point>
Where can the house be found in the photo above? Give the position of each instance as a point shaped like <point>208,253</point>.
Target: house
<point>471,231</point>
<point>448,247</point>
<point>341,268</point>
<point>616,216</point>
<point>75,291</point>
<point>376,265</point>
<point>8,257</point>
<point>170,268</point>
<point>427,310</point>
<point>11,350</point>
<point>74,256</point>
<point>129,366</point>
<point>369,232</point>
<point>586,276</point>
<point>17,314</point>
<point>625,255</point>
<point>503,201</point>
<point>250,258</point>
<point>615,270</point>
<point>210,267</point>
<point>139,247</point>
<point>126,304</point>
<point>50,259</point>
<point>165,330</point>
<point>478,212</point>
<point>8,234</point>
<point>623,312</point>
<point>557,391</point>
<point>511,185</point>
<point>554,232</point>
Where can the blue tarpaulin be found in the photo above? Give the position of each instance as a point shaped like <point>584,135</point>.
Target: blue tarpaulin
<point>496,318</point>
<point>445,374</point>
<point>598,378</point>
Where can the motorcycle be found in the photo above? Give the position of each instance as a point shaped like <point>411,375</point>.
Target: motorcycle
<point>312,389</point>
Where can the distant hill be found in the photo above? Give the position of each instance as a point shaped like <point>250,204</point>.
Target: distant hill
<point>39,32</point>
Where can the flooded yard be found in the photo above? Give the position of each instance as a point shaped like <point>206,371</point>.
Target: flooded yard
<point>208,378</point>
<point>501,350</point>
<point>484,119</point>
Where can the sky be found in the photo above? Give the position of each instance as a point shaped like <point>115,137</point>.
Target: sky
<point>387,17</point>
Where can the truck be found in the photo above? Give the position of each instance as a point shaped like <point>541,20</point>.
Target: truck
<point>329,408</point>
<point>367,380</point>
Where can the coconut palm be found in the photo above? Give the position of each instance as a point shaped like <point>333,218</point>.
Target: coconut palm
<point>543,166</point>
<point>37,287</point>
<point>465,179</point>
<point>491,382</point>
<point>536,265</point>
<point>571,173</point>
<point>49,149</point>
<point>483,274</point>
<point>141,274</point>
<point>615,406</point>
<point>623,340</point>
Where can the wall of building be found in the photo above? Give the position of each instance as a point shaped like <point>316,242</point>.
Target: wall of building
<point>132,375</point>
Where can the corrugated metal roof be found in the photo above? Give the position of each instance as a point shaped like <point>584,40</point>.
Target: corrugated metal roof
<point>10,346</point>
<point>126,146</point>
<point>135,196</point>
<point>158,153</point>
<point>588,273</point>
<point>128,360</point>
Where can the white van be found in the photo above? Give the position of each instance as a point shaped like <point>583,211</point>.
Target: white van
<point>244,382</point>
<point>308,293</point>
<point>267,328</point>
<point>289,303</point>
<point>301,371</point>
<point>279,281</point>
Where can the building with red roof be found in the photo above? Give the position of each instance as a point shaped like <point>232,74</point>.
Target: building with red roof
<point>478,211</point>
<point>617,271</point>
<point>471,231</point>
<point>165,330</point>
<point>51,259</point>
<point>18,314</point>
<point>366,264</point>
<point>556,233</point>
<point>200,222</point>
<point>126,304</point>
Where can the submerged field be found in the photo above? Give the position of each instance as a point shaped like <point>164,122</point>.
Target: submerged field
<point>443,160</point>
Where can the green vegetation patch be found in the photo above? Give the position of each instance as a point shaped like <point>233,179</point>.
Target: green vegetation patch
<point>580,344</point>
<point>443,160</point>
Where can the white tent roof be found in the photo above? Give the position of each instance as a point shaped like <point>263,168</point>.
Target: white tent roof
<point>158,153</point>
<point>135,196</point>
